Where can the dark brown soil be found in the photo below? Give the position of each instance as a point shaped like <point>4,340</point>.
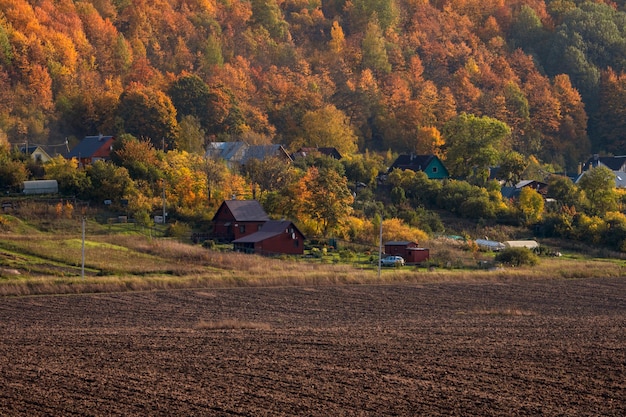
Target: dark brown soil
<point>552,348</point>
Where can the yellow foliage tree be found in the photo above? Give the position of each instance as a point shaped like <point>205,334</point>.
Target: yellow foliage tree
<point>530,204</point>
<point>395,229</point>
<point>429,141</point>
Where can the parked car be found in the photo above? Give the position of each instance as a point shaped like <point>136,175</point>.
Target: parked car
<point>392,260</point>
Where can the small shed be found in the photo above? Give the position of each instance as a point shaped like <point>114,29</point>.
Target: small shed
<point>41,187</point>
<point>410,251</point>
<point>275,237</point>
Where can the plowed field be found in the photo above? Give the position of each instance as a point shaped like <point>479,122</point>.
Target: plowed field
<point>550,348</point>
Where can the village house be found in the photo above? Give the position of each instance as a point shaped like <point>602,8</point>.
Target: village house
<point>238,153</point>
<point>36,153</point>
<point>431,165</point>
<point>274,238</point>
<point>235,219</point>
<point>92,149</point>
<point>514,191</point>
<point>614,163</point>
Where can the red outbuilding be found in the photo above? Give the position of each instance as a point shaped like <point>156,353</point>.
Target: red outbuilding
<point>410,251</point>
<point>275,237</point>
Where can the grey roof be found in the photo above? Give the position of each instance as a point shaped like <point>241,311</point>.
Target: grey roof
<point>246,210</point>
<point>270,229</point>
<point>241,152</point>
<point>398,243</point>
<point>88,146</point>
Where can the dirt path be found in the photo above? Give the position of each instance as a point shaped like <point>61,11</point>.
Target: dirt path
<point>536,348</point>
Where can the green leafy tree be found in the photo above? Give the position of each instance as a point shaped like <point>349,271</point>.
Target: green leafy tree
<point>12,173</point>
<point>474,144</point>
<point>324,198</point>
<point>148,113</point>
<point>565,192</point>
<point>109,182</point>
<point>512,167</point>
<point>190,96</point>
<point>374,50</point>
<point>71,179</point>
<point>329,127</point>
<point>269,15</point>
<point>190,135</point>
<point>599,187</point>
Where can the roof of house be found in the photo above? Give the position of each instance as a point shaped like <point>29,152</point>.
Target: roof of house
<point>241,152</point>
<point>88,146</point>
<point>614,163</point>
<point>270,229</point>
<point>328,151</point>
<point>399,243</point>
<point>419,162</point>
<point>246,210</point>
<point>31,149</point>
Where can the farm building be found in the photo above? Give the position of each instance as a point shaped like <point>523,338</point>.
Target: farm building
<point>235,219</point>
<point>410,251</point>
<point>41,187</point>
<point>274,238</point>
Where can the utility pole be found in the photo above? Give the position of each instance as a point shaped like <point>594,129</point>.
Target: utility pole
<point>82,269</point>
<point>380,246</point>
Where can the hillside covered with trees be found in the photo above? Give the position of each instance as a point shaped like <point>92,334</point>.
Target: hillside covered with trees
<point>533,86</point>
<point>378,74</point>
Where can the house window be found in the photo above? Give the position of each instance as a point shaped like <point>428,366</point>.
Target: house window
<point>296,243</point>
<point>434,170</point>
<point>242,228</point>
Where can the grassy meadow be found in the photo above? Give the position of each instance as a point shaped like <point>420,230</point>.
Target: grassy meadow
<point>39,255</point>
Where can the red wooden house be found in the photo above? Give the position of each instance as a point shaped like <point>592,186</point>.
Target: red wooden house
<point>235,219</point>
<point>410,251</point>
<point>275,237</point>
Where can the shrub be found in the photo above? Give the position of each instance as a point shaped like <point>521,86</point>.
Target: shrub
<point>179,230</point>
<point>208,244</point>
<point>517,257</point>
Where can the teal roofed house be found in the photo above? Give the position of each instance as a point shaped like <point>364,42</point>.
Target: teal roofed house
<point>429,164</point>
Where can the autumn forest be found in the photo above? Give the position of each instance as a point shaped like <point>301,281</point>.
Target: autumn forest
<point>372,78</point>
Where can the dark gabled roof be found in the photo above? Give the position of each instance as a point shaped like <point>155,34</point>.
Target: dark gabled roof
<point>327,151</point>
<point>246,210</point>
<point>29,150</point>
<point>614,163</point>
<point>270,229</point>
<point>88,146</point>
<point>412,162</point>
<point>509,192</point>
